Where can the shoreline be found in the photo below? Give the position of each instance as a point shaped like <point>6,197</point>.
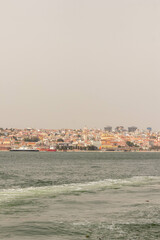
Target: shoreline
<point>94,151</point>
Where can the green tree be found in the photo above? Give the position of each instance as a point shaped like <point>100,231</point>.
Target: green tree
<point>60,140</point>
<point>130,144</point>
<point>32,139</point>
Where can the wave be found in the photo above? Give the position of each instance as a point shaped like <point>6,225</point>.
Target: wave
<point>7,195</point>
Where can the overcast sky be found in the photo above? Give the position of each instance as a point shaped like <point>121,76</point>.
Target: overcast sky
<point>76,63</point>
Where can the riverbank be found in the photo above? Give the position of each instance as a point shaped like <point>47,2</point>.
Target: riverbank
<point>94,151</point>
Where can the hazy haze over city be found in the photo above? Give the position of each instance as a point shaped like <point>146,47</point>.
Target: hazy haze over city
<point>76,63</point>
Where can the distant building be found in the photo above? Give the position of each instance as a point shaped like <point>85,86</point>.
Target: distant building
<point>132,129</point>
<point>108,129</point>
<point>149,129</point>
<point>119,129</point>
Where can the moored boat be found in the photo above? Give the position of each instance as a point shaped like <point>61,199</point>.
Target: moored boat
<point>51,149</point>
<point>24,149</point>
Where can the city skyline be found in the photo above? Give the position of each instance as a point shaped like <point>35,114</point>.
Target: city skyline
<point>107,128</point>
<point>51,140</point>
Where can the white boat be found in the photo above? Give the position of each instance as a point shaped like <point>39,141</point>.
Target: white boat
<point>24,149</point>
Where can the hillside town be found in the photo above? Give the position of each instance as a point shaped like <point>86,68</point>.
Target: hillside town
<point>108,139</point>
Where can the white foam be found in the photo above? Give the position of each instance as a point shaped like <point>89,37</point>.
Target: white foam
<point>7,195</point>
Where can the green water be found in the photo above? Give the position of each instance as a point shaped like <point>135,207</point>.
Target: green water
<point>65,196</point>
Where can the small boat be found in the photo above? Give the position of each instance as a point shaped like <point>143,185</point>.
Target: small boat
<point>51,149</point>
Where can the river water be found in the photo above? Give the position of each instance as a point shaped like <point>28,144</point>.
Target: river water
<point>77,196</point>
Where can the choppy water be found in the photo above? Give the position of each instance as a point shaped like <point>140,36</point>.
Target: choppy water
<point>77,196</point>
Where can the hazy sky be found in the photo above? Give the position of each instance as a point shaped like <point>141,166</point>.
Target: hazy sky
<point>76,63</point>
